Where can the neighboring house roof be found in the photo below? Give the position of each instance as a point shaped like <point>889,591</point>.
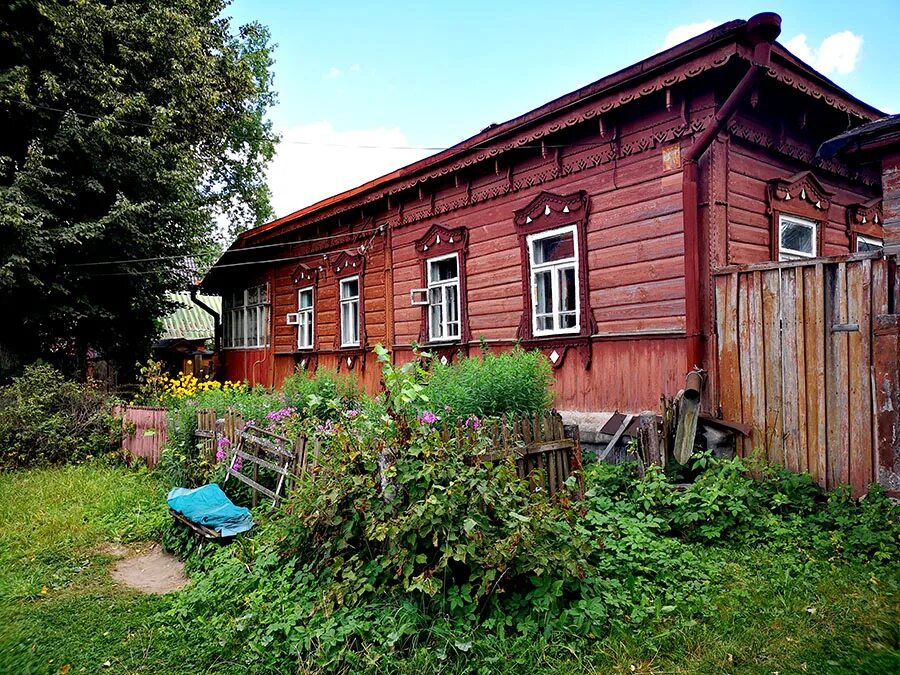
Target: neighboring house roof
<point>713,48</point>
<point>188,320</point>
<point>882,132</point>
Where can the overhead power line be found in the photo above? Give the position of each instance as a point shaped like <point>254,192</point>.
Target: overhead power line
<point>311,240</point>
<point>327,144</point>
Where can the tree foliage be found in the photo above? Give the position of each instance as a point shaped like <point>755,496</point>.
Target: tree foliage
<point>129,128</point>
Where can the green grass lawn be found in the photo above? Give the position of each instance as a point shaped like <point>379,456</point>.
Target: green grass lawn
<point>60,612</point>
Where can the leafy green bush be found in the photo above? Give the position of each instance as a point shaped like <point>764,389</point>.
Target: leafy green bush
<point>492,384</point>
<point>311,394</point>
<point>46,419</point>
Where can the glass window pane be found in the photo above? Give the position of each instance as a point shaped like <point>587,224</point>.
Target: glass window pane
<point>797,237</point>
<point>555,248</point>
<point>434,321</point>
<point>306,298</point>
<point>866,245</point>
<point>451,295</point>
<point>567,289</point>
<point>543,292</point>
<point>443,270</point>
<point>350,322</point>
<point>349,288</point>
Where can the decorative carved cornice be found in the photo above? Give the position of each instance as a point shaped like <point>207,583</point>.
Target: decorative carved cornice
<point>348,264</point>
<point>440,239</point>
<point>757,136</point>
<point>549,210</point>
<point>305,274</point>
<point>866,219</point>
<point>867,213</point>
<point>809,197</point>
<point>807,87</point>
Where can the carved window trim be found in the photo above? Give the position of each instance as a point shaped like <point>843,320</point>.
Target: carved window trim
<point>344,266</point>
<point>440,241</point>
<point>865,222</point>
<point>547,212</point>
<point>801,197</point>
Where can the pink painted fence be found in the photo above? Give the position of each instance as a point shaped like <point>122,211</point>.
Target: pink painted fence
<point>144,431</point>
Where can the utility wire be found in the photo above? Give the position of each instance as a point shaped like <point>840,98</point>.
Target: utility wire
<point>361,249</point>
<point>325,144</point>
<point>237,250</point>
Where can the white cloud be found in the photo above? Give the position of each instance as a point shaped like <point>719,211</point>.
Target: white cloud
<point>838,53</point>
<point>332,73</point>
<point>316,161</point>
<point>686,31</point>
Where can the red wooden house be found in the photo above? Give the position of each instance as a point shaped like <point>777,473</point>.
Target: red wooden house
<point>591,228</point>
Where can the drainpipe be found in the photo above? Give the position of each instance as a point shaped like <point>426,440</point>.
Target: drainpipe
<point>217,320</point>
<point>762,30</point>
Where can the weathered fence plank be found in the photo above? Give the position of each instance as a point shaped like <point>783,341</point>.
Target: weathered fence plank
<point>797,363</point>
<point>144,431</point>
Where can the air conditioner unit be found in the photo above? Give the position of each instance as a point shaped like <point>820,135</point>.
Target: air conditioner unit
<point>418,296</point>
<point>293,319</point>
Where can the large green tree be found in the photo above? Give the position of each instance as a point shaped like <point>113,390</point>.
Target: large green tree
<point>130,128</point>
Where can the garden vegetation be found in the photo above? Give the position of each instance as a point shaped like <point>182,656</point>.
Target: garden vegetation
<point>404,552</point>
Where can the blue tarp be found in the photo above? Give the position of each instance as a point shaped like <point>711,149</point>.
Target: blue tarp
<point>209,506</point>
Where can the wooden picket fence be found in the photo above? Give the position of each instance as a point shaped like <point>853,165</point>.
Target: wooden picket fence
<point>797,362</point>
<point>547,454</point>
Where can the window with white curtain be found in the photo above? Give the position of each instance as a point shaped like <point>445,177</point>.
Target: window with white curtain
<point>305,318</point>
<point>349,301</point>
<point>246,318</point>
<point>443,298</point>
<point>553,257</point>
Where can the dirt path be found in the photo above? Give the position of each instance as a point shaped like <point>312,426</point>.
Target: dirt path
<point>150,571</point>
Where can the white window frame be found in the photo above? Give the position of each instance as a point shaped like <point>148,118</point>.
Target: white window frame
<point>874,241</point>
<point>238,319</point>
<point>442,288</point>
<point>355,299</point>
<point>785,254</point>
<point>306,316</point>
<point>554,268</point>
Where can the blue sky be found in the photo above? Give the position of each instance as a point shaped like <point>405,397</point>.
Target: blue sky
<point>392,74</point>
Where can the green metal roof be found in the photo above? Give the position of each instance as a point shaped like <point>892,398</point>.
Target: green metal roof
<point>189,320</point>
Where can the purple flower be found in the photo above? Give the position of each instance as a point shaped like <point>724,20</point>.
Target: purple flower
<point>278,415</point>
<point>220,455</point>
<point>427,417</point>
<point>238,463</point>
<point>224,442</point>
<point>473,422</point>
<point>352,413</point>
<point>250,423</point>
<point>326,428</point>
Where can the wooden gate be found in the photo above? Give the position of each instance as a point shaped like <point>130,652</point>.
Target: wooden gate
<point>795,362</point>
<point>144,431</point>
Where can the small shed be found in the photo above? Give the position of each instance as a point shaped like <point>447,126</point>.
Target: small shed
<point>187,341</point>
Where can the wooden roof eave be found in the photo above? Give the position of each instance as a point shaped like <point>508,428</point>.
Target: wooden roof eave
<point>502,138</point>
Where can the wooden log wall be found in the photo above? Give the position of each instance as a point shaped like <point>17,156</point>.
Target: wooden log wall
<point>796,363</point>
